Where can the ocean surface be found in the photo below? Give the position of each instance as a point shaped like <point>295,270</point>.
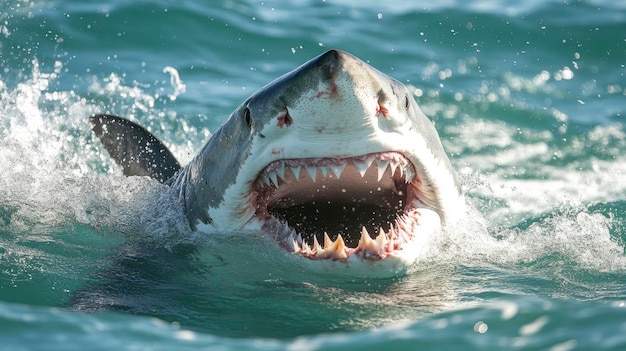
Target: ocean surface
<point>529,98</point>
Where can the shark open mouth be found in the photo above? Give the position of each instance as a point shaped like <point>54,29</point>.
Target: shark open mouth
<point>330,208</point>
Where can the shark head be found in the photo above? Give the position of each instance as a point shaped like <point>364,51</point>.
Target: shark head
<point>333,161</point>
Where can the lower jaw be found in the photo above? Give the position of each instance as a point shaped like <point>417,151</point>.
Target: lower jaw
<point>423,224</point>
<point>397,264</point>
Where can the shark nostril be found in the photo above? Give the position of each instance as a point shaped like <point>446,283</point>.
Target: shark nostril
<point>285,119</point>
<point>381,109</point>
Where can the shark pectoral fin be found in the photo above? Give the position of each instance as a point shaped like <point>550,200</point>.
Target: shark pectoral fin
<point>134,148</point>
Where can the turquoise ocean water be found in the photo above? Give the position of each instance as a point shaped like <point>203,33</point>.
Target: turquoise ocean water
<point>529,98</point>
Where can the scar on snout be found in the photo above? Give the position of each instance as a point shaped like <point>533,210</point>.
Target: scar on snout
<point>331,93</point>
<point>285,120</point>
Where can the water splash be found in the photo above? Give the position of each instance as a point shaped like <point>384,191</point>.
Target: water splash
<point>54,168</point>
<point>176,82</point>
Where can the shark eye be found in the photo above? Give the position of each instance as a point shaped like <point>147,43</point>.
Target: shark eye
<point>247,118</point>
<point>406,102</point>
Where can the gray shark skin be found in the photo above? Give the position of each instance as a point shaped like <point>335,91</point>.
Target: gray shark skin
<point>334,143</point>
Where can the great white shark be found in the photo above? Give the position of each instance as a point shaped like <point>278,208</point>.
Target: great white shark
<point>334,161</point>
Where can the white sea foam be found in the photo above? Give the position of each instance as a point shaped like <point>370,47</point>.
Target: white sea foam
<point>515,172</point>
<point>526,178</point>
<point>53,168</point>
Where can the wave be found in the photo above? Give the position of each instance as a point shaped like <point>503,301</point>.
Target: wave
<point>534,130</point>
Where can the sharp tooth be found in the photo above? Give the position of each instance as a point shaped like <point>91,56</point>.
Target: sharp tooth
<point>381,231</point>
<point>339,248</point>
<point>307,249</point>
<point>281,171</point>
<point>337,170</point>
<point>365,240</point>
<point>362,171</point>
<point>382,167</point>
<point>394,165</point>
<point>316,245</point>
<point>264,180</point>
<point>327,251</point>
<point>296,172</point>
<point>323,170</point>
<point>392,233</point>
<point>381,239</point>
<point>363,165</point>
<point>312,170</point>
<point>339,243</point>
<point>273,178</point>
<point>365,234</point>
<point>409,174</point>
<point>294,246</point>
<point>327,241</point>
<point>299,238</point>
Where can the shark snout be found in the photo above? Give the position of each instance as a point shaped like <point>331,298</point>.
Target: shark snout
<point>335,104</point>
